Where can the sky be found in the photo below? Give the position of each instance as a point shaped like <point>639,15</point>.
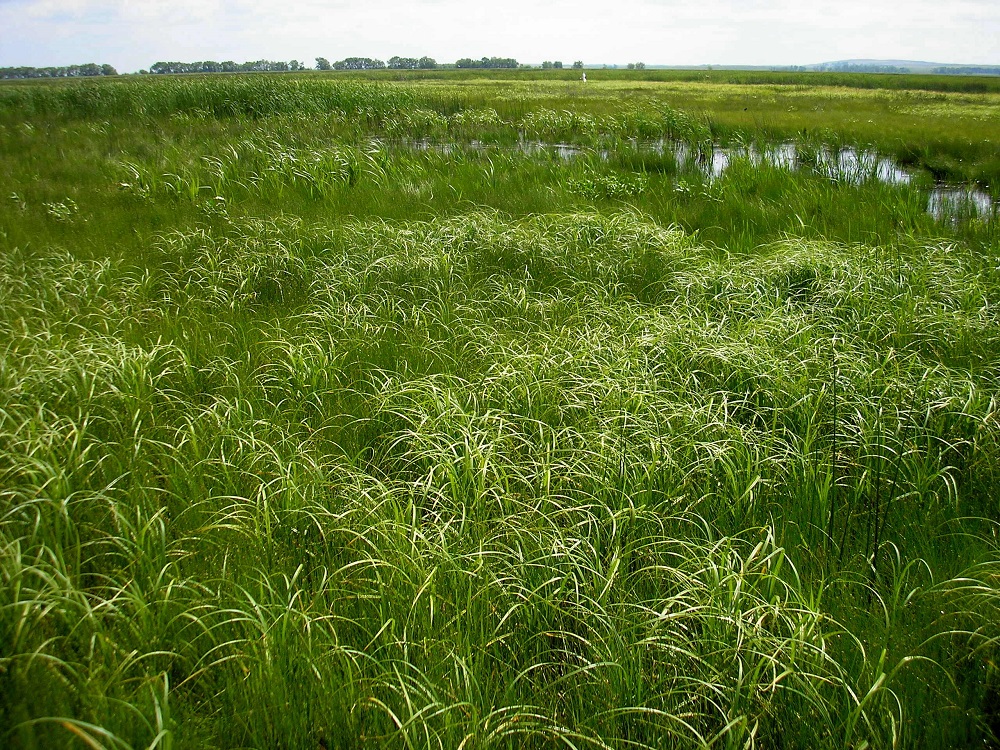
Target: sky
<point>133,34</point>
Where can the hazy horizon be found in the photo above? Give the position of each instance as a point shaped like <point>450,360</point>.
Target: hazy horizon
<point>133,35</point>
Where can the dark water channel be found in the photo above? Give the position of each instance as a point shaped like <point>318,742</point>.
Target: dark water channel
<point>945,202</point>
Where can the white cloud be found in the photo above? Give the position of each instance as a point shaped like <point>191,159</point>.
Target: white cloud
<point>131,34</point>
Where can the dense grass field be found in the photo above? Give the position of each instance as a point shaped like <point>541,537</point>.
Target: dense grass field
<point>463,412</point>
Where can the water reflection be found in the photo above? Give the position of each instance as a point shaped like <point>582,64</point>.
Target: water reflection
<point>857,167</point>
<point>957,204</point>
<point>564,151</point>
<point>848,165</point>
<point>844,165</point>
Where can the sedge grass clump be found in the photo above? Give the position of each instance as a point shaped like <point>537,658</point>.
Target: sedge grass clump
<point>659,121</point>
<point>553,126</point>
<point>253,168</point>
<point>475,120</point>
<point>603,187</point>
<point>581,462</point>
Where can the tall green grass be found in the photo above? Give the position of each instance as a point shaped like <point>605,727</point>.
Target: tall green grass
<point>573,479</point>
<point>250,96</point>
<point>315,436</point>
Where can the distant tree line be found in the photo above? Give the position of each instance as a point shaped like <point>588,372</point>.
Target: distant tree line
<point>349,63</point>
<point>211,66</point>
<point>968,70</point>
<point>412,63</point>
<point>859,68</point>
<point>354,63</point>
<point>69,71</point>
<point>944,70</point>
<point>487,62</point>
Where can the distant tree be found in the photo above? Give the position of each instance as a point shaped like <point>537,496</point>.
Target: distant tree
<point>487,62</point>
<point>631,66</point>
<point>427,63</point>
<point>323,64</point>
<point>404,63</point>
<point>640,66</point>
<point>578,65</point>
<point>358,63</point>
<point>295,65</point>
<point>557,64</point>
<point>547,64</point>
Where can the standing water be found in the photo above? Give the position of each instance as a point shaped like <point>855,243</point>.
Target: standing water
<point>848,165</point>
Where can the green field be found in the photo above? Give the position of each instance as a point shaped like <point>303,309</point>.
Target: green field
<point>458,411</point>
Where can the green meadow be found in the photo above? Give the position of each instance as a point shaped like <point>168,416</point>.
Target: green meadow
<point>457,410</point>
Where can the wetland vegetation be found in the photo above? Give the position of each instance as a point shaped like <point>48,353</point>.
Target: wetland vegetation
<point>459,411</point>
